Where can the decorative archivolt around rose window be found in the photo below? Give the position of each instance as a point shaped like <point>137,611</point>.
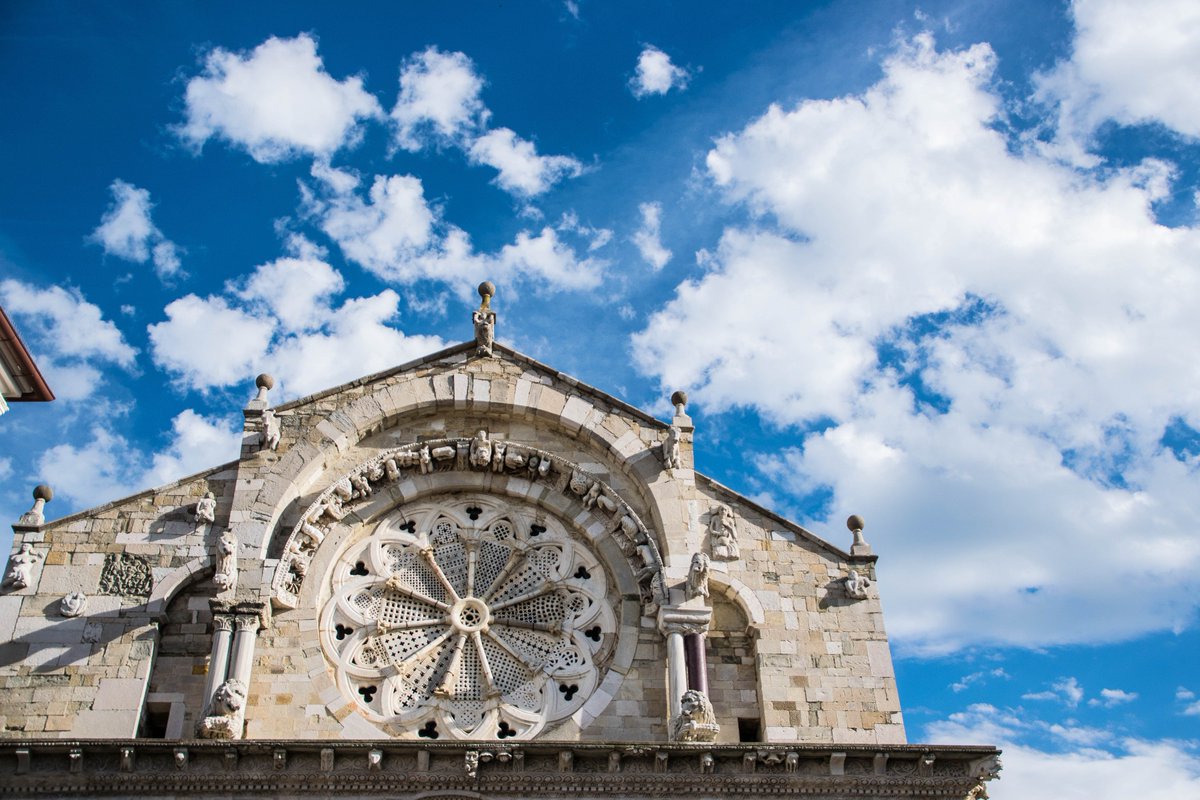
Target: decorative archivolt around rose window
<point>468,616</point>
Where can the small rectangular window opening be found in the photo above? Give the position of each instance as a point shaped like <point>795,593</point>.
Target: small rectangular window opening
<point>748,730</point>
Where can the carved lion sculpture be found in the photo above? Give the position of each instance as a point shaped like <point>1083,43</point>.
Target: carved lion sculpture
<point>224,720</point>
<point>230,698</point>
<point>696,721</point>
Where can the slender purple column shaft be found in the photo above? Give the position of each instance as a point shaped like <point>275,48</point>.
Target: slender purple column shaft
<point>697,663</point>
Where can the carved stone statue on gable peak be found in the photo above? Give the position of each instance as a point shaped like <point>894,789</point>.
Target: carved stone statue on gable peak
<point>484,320</point>
<point>671,455</point>
<point>856,585</point>
<point>271,431</point>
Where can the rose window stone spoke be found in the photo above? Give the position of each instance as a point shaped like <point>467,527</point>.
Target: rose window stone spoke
<point>483,615</point>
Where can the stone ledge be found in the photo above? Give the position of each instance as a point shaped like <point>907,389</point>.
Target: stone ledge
<point>493,769</point>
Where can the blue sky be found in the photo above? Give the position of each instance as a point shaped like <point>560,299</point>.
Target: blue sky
<point>934,264</point>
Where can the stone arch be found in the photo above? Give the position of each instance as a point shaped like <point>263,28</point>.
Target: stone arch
<point>366,500</point>
<point>405,473</point>
<point>341,429</point>
<point>173,699</point>
<point>175,581</point>
<point>740,595</point>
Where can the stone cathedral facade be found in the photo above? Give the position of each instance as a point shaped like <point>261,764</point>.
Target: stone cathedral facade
<point>468,576</point>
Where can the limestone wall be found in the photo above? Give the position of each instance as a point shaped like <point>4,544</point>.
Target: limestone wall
<point>788,647</point>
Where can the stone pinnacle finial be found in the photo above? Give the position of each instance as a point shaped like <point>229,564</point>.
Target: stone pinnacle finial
<point>35,516</point>
<point>679,399</point>
<point>264,383</point>
<point>859,547</point>
<point>484,319</point>
<point>487,290</point>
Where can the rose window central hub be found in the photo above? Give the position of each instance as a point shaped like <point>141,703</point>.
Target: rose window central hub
<point>469,615</point>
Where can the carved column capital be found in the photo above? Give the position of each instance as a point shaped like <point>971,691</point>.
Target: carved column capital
<point>223,622</point>
<point>248,622</point>
<point>683,620</point>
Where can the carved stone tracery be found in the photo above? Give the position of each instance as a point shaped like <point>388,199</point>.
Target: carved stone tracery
<point>469,616</point>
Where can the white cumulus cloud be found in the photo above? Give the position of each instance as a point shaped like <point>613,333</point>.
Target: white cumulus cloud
<point>1085,764</point>
<point>107,466</point>
<point>440,104</point>
<point>68,336</point>
<point>648,237</point>
<point>522,171</point>
<point>1133,61</point>
<point>395,233</point>
<point>276,102</point>
<point>439,99</point>
<point>988,346</point>
<point>282,318</point>
<point>656,74</point>
<point>126,231</point>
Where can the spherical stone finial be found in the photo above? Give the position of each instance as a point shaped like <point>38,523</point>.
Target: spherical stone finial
<point>679,398</point>
<point>264,381</point>
<point>43,492</point>
<point>487,290</point>
<point>855,523</point>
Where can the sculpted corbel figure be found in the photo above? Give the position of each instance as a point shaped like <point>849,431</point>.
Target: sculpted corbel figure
<point>580,483</point>
<point>20,567</point>
<point>271,431</point>
<point>697,580</point>
<point>226,712</point>
<point>426,461</point>
<point>206,509</point>
<point>856,585</point>
<point>670,449</point>
<point>593,495</point>
<point>481,450</point>
<point>723,536</point>
<point>484,319</point>
<point>362,487</point>
<point>225,578</point>
<point>498,451</point>
<point>696,721</point>
<point>73,604</point>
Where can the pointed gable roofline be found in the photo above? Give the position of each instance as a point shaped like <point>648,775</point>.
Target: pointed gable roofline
<point>469,347</point>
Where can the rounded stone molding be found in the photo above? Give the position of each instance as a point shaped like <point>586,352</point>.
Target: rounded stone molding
<point>469,616</point>
<point>398,475</point>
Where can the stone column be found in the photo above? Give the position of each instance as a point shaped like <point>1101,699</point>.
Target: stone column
<point>243,647</point>
<point>697,662</point>
<point>218,664</point>
<point>676,671</point>
<point>675,623</point>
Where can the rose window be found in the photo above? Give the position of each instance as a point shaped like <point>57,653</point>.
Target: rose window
<point>468,616</point>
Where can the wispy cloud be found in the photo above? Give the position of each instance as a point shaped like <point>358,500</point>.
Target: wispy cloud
<point>648,238</point>
<point>126,231</point>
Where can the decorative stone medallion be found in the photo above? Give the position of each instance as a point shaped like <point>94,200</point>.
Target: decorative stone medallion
<point>468,616</point>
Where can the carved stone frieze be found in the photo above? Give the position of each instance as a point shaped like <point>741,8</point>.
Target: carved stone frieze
<point>126,574</point>
<point>441,770</point>
<point>478,454</point>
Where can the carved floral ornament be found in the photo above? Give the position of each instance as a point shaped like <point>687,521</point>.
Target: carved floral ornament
<point>478,454</point>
